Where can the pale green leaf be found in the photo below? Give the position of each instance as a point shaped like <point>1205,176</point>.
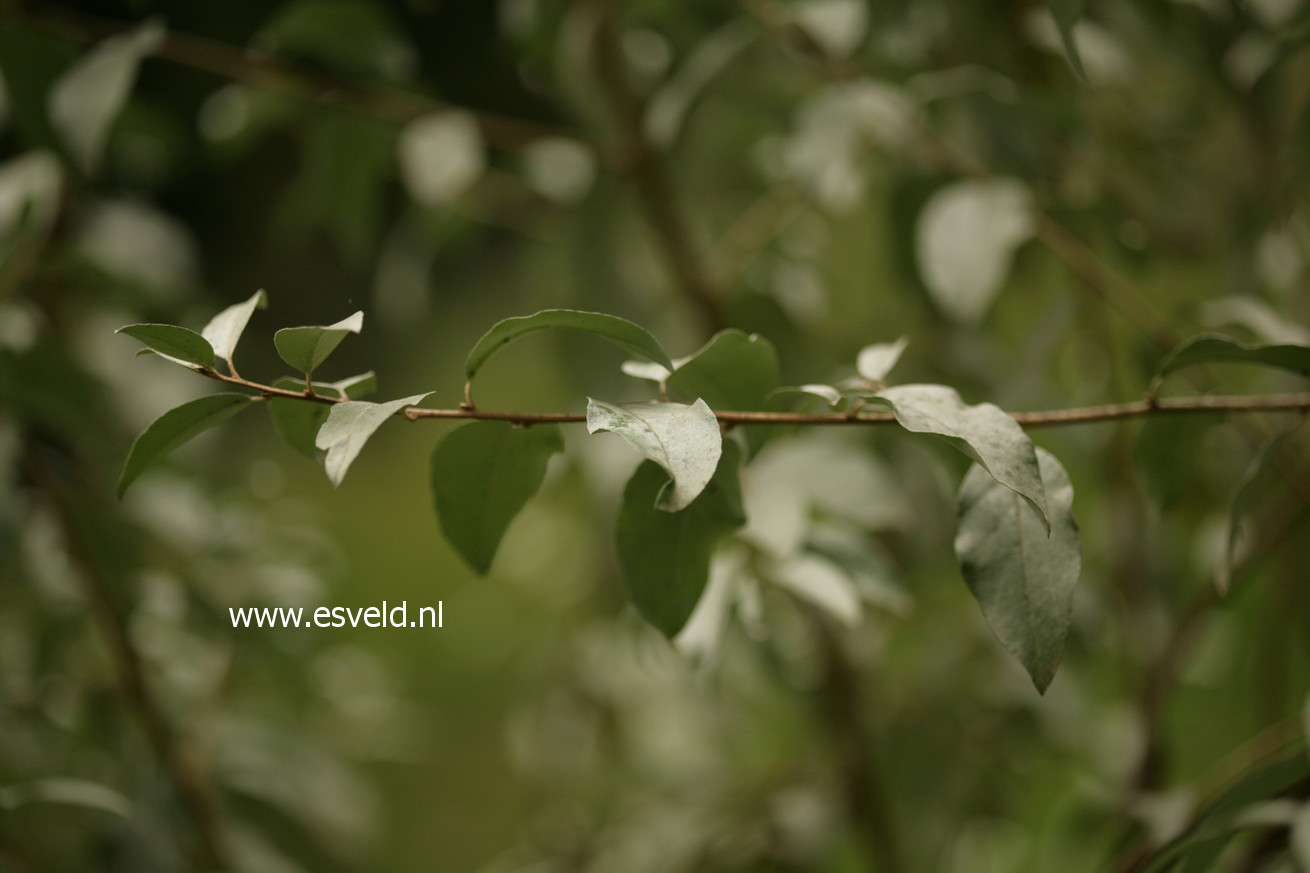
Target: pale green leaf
<point>304,348</point>
<point>631,337</point>
<point>349,426</point>
<point>876,361</point>
<point>665,556</point>
<point>482,475</point>
<point>176,427</point>
<point>224,330</point>
<point>1022,578</point>
<point>86,99</point>
<point>684,440</point>
<point>965,241</point>
<point>178,344</point>
<point>983,432</point>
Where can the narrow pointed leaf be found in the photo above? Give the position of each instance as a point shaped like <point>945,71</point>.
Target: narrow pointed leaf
<point>1260,476</point>
<point>876,361</point>
<point>224,330</point>
<point>304,348</point>
<point>176,427</point>
<point>631,337</point>
<point>1066,14</point>
<point>665,556</point>
<point>349,426</point>
<point>684,440</point>
<point>482,475</point>
<point>1217,349</point>
<point>178,344</point>
<point>1022,579</point>
<point>983,432</point>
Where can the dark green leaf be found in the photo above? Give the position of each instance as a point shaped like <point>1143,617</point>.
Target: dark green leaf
<point>984,433</point>
<point>732,371</point>
<point>1217,349</point>
<point>685,440</point>
<point>665,556</point>
<point>1260,476</point>
<point>1066,14</point>
<point>1022,578</point>
<point>482,475</point>
<point>349,426</point>
<point>175,343</point>
<point>174,428</point>
<point>224,330</point>
<point>304,348</point>
<point>298,421</point>
<point>631,337</point>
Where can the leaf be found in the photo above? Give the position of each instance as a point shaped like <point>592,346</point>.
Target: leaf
<point>350,388</point>
<point>349,426</point>
<point>482,475</point>
<point>224,330</point>
<point>823,584</point>
<point>1260,475</point>
<point>1212,348</point>
<point>1066,14</point>
<point>665,556</point>
<point>827,393</point>
<point>731,371</point>
<point>85,100</point>
<point>965,239</point>
<point>71,792</point>
<point>983,432</point>
<point>631,337</point>
<point>684,440</point>
<point>304,348</point>
<point>297,422</point>
<point>876,361</point>
<point>178,344</point>
<point>441,156</point>
<point>1022,578</point>
<point>176,427</point>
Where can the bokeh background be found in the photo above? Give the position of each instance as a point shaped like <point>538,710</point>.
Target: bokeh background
<point>769,165</point>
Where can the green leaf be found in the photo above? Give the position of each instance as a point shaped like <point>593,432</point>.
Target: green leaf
<point>69,792</point>
<point>297,421</point>
<point>684,440</point>
<point>1213,348</point>
<point>178,344</point>
<point>482,475</point>
<point>665,556</point>
<point>1066,14</point>
<point>631,337</point>
<point>176,427</point>
<point>1022,578</point>
<point>1256,481</point>
<point>876,361</point>
<point>984,433</point>
<point>87,98</point>
<point>349,426</point>
<point>732,371</point>
<point>304,348</point>
<point>224,330</point>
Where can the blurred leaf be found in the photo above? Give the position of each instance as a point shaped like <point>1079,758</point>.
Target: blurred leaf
<point>670,105</point>
<point>224,330</point>
<point>876,361</point>
<point>983,432</point>
<point>1260,476</point>
<point>1066,14</point>
<point>827,393</point>
<point>304,348</point>
<point>31,62</point>
<point>441,156</point>
<point>72,792</point>
<point>347,35</point>
<point>482,475</point>
<point>30,188</point>
<point>839,26</point>
<point>349,426</point>
<point>665,556</point>
<point>631,337</point>
<point>1301,836</point>
<point>821,582</point>
<point>732,371</point>
<point>175,343</point>
<point>176,427</point>
<point>87,98</point>
<point>1022,577</point>
<point>965,241</point>
<point>684,440</point>
<point>1216,349</point>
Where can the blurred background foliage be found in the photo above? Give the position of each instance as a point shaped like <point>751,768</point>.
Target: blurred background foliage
<point>825,172</point>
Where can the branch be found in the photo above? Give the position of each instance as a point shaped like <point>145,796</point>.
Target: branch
<point>1044,418</point>
<point>239,65</point>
